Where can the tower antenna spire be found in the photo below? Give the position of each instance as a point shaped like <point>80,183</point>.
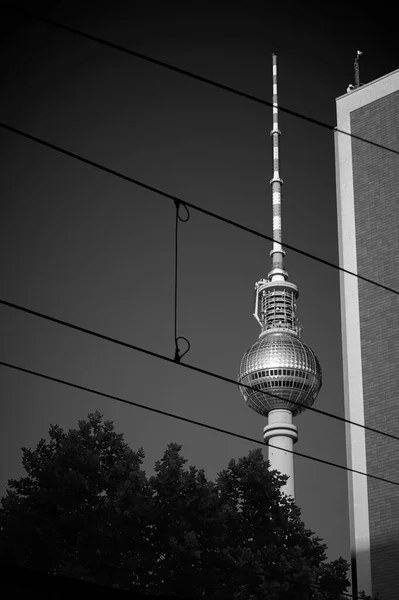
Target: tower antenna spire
<point>278,272</point>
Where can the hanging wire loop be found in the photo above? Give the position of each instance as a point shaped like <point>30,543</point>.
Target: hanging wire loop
<point>178,204</point>
<point>179,217</point>
<point>179,356</point>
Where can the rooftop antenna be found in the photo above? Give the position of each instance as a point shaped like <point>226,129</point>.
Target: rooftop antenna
<point>356,65</point>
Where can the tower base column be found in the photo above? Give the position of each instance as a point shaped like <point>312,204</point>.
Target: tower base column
<point>283,434</point>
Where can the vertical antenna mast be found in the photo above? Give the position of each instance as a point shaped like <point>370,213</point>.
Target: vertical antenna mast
<point>278,272</point>
<point>356,65</point>
<point>275,296</point>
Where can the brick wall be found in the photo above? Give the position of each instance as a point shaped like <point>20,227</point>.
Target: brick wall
<point>376,191</point>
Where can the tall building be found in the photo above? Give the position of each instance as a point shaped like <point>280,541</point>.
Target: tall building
<point>368,227</point>
<point>280,375</point>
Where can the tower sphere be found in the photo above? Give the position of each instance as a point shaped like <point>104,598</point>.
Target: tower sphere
<point>281,364</point>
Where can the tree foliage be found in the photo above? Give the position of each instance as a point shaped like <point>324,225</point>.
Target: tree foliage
<point>86,509</point>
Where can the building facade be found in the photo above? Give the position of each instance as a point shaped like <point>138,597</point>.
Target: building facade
<point>367,178</point>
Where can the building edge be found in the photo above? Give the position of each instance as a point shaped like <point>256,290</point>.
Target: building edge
<point>351,353</point>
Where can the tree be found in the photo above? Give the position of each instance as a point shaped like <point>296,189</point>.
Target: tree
<point>83,504</point>
<point>86,509</point>
<point>238,537</point>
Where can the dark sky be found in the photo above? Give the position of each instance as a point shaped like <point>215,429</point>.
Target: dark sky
<point>86,247</point>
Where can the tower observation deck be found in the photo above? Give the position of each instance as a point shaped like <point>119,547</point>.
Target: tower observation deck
<point>283,372</point>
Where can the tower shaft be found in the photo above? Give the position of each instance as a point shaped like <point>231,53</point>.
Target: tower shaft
<point>282,435</point>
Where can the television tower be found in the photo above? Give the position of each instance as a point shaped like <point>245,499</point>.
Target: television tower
<point>279,367</point>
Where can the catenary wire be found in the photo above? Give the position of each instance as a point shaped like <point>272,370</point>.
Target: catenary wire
<point>187,420</point>
<point>202,79</point>
<point>178,217</point>
<point>151,188</point>
<point>113,340</point>
<point>175,199</point>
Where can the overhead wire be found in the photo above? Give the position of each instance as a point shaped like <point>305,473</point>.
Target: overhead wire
<point>177,203</point>
<point>202,79</point>
<point>125,344</point>
<point>187,420</point>
<point>199,209</point>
